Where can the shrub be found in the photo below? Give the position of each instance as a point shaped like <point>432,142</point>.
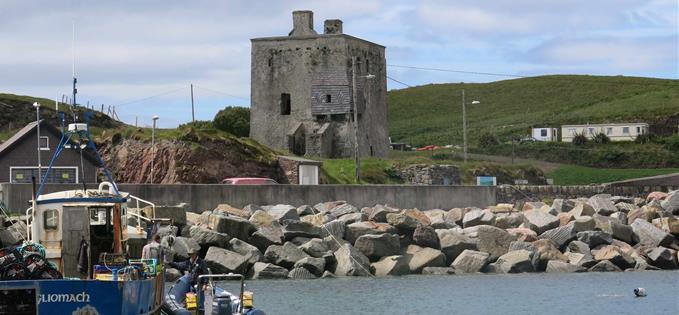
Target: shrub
<point>601,138</point>
<point>645,138</point>
<point>580,139</point>
<point>198,124</point>
<point>671,143</point>
<point>487,140</point>
<point>235,120</point>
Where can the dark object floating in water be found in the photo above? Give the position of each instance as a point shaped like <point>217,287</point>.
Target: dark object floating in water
<point>640,292</point>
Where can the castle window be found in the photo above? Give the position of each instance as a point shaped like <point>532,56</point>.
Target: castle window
<point>328,98</point>
<point>285,104</point>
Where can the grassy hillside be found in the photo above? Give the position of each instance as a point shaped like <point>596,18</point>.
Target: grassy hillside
<point>432,114</point>
<point>579,175</point>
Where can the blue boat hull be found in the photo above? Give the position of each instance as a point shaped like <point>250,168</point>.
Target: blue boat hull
<point>84,296</point>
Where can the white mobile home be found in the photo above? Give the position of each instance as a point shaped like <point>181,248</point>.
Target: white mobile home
<point>616,132</point>
<point>545,134</point>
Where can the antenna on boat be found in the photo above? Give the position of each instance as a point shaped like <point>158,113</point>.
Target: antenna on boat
<point>75,80</point>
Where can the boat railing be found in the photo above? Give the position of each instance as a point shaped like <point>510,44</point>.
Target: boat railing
<point>229,276</point>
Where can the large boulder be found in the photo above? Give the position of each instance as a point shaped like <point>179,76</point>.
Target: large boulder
<point>663,258</point>
<point>584,223</point>
<point>564,218</point>
<point>604,266</point>
<point>546,251</point>
<point>314,265</point>
<point>420,257</point>
<point>650,235</point>
<point>455,215</point>
<point>595,238</point>
<point>453,243</point>
<point>250,252</point>
<point>286,255</point>
<point>618,230</point>
<point>615,255</point>
<point>582,209</point>
<point>324,207</point>
<point>539,221</point>
<point>221,260</point>
<point>177,213</point>
<point>283,212</point>
<point>670,225</point>
<point>229,210</point>
<point>305,210</point>
<point>375,246</point>
<point>316,248</point>
<point>508,220</point>
<point>561,235</point>
<point>602,204</point>
<point>478,217</point>
<point>318,219</point>
<point>206,237</point>
<point>234,226</point>
<point>351,262</point>
<point>417,215</point>
<point>267,236</point>
<point>581,260</point>
<point>378,213</point>
<point>405,224</point>
<point>352,217</point>
<point>470,261</point>
<point>561,205</point>
<point>292,229</point>
<point>14,234</point>
<point>395,265</point>
<point>491,240</point>
<point>524,234</point>
<point>438,219</point>
<point>646,213</point>
<point>336,228</point>
<point>261,218</point>
<point>425,236</point>
<point>554,266</point>
<point>671,202</point>
<point>182,246</point>
<point>517,261</point>
<point>342,209</point>
<point>355,230</point>
<point>262,270</point>
<point>300,273</point>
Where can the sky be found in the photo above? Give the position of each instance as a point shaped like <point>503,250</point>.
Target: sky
<point>142,56</point>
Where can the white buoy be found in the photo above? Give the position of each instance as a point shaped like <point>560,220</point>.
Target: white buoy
<point>640,292</point>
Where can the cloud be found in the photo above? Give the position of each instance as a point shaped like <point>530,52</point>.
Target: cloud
<point>129,50</point>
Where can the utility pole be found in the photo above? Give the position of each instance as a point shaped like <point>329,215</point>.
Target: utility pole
<point>193,113</point>
<point>357,160</point>
<point>464,127</point>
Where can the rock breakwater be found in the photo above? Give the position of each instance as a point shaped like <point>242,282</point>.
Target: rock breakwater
<point>336,239</point>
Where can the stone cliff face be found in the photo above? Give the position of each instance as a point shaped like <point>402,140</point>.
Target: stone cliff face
<point>177,161</point>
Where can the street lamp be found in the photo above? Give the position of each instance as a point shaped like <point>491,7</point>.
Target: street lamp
<point>357,160</point>
<point>37,120</point>
<point>153,145</point>
<point>464,123</point>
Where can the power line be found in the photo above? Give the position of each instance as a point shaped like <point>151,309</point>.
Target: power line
<point>675,83</point>
<point>220,92</point>
<point>153,96</point>
<point>397,81</point>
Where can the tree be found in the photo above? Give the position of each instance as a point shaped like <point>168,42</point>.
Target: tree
<point>235,120</point>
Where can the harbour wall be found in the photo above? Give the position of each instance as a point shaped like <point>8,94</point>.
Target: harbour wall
<point>204,197</point>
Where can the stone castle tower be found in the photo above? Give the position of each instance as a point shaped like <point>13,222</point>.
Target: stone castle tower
<point>302,91</point>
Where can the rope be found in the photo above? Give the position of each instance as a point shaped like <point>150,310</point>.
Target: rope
<point>313,210</point>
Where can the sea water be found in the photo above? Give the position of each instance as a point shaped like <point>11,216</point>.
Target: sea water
<point>534,293</point>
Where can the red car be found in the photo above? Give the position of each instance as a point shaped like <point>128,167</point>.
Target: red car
<point>249,181</point>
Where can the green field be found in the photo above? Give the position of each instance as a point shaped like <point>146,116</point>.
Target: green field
<point>579,175</point>
<point>431,114</point>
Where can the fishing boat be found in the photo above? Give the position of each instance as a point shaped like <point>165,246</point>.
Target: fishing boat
<point>74,260</point>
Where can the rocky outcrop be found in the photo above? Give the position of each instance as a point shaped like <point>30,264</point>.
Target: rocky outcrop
<point>470,261</point>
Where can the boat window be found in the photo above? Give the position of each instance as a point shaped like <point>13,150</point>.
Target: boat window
<point>99,216</point>
<point>50,219</point>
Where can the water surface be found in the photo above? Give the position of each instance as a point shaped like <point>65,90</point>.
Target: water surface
<point>539,293</point>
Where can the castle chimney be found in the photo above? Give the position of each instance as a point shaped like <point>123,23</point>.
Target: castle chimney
<point>302,23</point>
<point>332,27</point>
